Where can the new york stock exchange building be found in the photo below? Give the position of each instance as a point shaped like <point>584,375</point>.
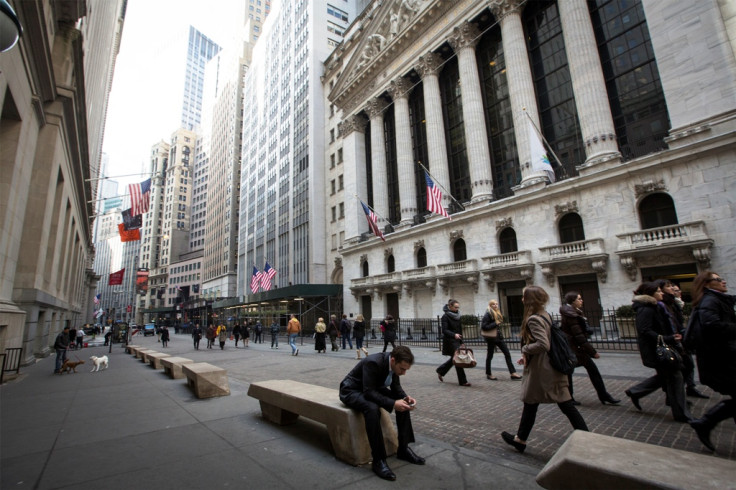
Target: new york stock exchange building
<point>635,101</point>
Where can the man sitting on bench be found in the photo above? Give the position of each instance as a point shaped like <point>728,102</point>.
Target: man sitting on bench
<point>374,384</point>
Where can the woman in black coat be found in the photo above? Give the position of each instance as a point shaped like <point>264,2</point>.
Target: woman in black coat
<point>389,332</point>
<point>491,333</point>
<point>575,326</point>
<point>713,335</point>
<point>452,337</point>
<point>651,322</point>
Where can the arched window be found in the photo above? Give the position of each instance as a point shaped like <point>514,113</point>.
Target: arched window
<point>507,241</point>
<point>459,251</point>
<point>390,264</point>
<point>421,258</point>
<point>365,269</point>
<point>657,210</point>
<point>571,228</point>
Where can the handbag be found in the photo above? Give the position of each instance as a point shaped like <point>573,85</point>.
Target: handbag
<point>668,358</point>
<point>490,333</point>
<point>463,357</point>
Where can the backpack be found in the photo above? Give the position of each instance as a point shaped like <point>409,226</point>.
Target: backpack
<point>561,356</point>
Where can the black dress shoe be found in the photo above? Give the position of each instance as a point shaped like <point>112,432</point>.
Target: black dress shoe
<point>406,454</point>
<point>576,403</point>
<point>381,469</point>
<point>610,399</point>
<point>634,399</point>
<point>703,432</point>
<point>509,439</point>
<point>693,392</point>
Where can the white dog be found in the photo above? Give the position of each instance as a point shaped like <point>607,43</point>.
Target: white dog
<point>98,362</point>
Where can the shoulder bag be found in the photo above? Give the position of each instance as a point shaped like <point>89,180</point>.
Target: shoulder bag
<point>668,359</point>
<point>463,357</point>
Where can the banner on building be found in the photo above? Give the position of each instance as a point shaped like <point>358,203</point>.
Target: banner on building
<point>116,278</point>
<point>128,235</point>
<point>141,280</point>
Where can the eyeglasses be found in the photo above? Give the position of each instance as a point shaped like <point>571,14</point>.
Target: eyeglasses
<point>717,279</point>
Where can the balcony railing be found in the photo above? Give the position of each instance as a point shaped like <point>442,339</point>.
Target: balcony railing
<point>573,250</point>
<point>419,274</point>
<point>461,267</point>
<point>684,233</point>
<point>511,259</point>
<point>390,278</point>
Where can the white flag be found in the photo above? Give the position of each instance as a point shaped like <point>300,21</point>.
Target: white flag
<point>540,162</point>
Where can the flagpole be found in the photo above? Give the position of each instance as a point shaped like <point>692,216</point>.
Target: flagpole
<point>539,133</point>
<point>441,186</point>
<point>369,207</point>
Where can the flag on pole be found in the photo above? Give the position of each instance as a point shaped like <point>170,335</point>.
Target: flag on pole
<point>132,222</point>
<point>140,197</point>
<point>434,198</point>
<point>539,159</point>
<point>97,298</point>
<point>372,221</point>
<point>116,278</point>
<point>255,280</point>
<point>130,235</point>
<point>267,274</point>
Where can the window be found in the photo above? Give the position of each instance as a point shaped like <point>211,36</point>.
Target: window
<point>421,258</point>
<point>332,135</point>
<point>340,184</point>
<point>342,210</point>
<point>657,210</point>
<point>334,213</point>
<point>571,228</point>
<point>458,250</point>
<point>339,155</point>
<point>364,268</point>
<point>390,264</point>
<point>507,241</point>
<point>332,186</point>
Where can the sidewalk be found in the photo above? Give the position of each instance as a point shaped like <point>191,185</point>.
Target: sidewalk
<point>133,426</point>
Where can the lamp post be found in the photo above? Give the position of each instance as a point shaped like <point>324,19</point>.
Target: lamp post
<point>10,28</point>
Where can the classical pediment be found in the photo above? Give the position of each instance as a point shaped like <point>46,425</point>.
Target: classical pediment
<point>384,33</point>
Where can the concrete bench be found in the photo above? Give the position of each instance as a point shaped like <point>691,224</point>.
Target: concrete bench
<point>172,366</point>
<point>283,401</point>
<point>154,359</point>
<point>206,380</point>
<point>130,349</point>
<point>594,461</point>
<point>146,353</point>
<point>139,353</point>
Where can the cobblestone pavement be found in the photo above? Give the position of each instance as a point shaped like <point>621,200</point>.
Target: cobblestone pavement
<point>473,417</point>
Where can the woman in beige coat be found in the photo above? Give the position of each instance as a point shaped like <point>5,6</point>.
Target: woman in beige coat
<point>541,382</point>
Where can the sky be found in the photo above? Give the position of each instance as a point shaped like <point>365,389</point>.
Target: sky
<point>145,99</point>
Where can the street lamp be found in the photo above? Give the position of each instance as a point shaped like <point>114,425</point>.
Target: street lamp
<point>10,28</point>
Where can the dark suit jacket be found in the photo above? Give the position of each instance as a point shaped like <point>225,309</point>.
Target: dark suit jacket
<point>368,377</point>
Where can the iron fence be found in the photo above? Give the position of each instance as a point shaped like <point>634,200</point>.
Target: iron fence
<point>11,361</point>
<point>611,331</point>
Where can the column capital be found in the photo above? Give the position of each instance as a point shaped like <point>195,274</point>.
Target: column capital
<point>376,106</point>
<point>429,64</point>
<point>351,124</point>
<point>465,35</point>
<point>399,88</point>
<point>502,8</point>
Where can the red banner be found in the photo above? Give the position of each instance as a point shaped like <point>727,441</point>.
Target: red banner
<point>128,235</point>
<point>116,278</point>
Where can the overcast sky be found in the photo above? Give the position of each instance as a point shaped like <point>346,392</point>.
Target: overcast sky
<point>142,108</point>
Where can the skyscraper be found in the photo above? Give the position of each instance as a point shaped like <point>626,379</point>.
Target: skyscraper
<point>200,50</point>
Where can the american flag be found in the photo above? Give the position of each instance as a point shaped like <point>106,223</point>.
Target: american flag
<point>140,197</point>
<point>255,280</point>
<point>266,276</point>
<point>97,298</point>
<point>372,221</point>
<point>434,198</point>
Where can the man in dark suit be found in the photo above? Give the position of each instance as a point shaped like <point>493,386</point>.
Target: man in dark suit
<point>374,384</point>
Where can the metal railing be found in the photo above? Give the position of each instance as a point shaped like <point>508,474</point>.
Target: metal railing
<point>11,361</point>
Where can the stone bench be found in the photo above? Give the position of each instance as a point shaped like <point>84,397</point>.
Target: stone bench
<point>283,401</point>
<point>139,353</point>
<point>154,359</point>
<point>172,366</point>
<point>130,349</point>
<point>206,380</point>
<point>146,353</point>
<point>595,461</point>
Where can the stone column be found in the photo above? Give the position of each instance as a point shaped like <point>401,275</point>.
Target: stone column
<point>463,41</point>
<point>399,90</point>
<point>352,132</point>
<point>521,84</point>
<point>428,67</point>
<point>376,107</point>
<point>588,83</point>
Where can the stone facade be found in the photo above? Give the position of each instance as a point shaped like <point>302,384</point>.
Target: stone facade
<point>692,167</point>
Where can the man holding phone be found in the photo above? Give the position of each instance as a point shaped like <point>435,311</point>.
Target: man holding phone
<point>374,384</point>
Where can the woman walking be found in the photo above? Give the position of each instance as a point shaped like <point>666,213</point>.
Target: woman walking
<point>452,337</point>
<point>713,332</point>
<point>492,335</point>
<point>651,323</point>
<point>389,332</point>
<point>541,383</point>
<point>196,336</point>
<point>575,326</point>
<point>359,333</point>
<point>236,334</point>
<point>293,329</point>
<point>222,335</point>
<point>319,336</point>
<point>164,336</point>
<point>333,331</point>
